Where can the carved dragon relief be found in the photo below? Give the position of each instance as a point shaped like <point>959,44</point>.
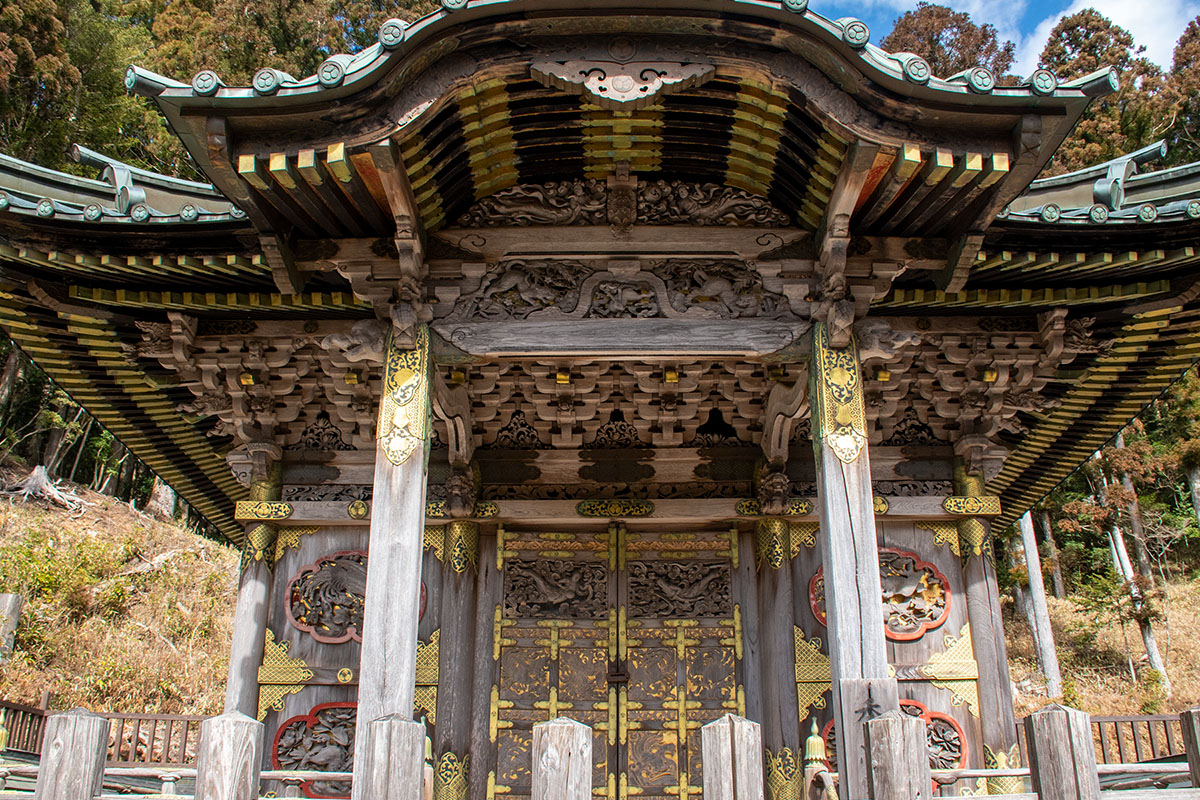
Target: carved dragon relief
<point>658,202</point>
<point>554,289</point>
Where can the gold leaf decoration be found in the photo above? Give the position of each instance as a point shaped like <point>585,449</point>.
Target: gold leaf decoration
<point>956,670</point>
<point>841,421</point>
<point>404,409</point>
<point>279,676</point>
<point>944,533</point>
<point>262,509</point>
<point>983,506</point>
<point>290,538</point>
<point>450,777</point>
<point>614,508</point>
<point>785,776</point>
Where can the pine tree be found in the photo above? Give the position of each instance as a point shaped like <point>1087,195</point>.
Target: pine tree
<point>1183,85</point>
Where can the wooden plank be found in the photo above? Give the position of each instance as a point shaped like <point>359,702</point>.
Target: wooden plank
<point>898,756</point>
<point>1190,722</point>
<point>229,758</point>
<point>733,759</point>
<point>390,759</point>
<point>73,754</point>
<point>562,760</point>
<point>1062,758</point>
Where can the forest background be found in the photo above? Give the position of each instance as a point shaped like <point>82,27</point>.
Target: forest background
<point>1120,538</point>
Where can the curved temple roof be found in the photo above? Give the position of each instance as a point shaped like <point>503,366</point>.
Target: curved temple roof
<point>486,98</point>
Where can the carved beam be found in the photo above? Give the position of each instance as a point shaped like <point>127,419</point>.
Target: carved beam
<point>959,261</point>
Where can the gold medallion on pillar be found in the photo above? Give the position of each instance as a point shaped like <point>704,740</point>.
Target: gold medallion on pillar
<point>841,422</point>
<point>404,407</point>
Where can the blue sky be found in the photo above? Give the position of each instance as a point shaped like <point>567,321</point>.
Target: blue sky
<point>1155,23</point>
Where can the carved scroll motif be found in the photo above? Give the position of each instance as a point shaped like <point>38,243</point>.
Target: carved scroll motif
<point>321,740</point>
<point>326,599</point>
<point>620,86</point>
<point>404,410</point>
<point>321,434</point>
<point>916,595</point>
<point>679,589</point>
<point>543,290</point>
<point>661,202</point>
<point>555,589</point>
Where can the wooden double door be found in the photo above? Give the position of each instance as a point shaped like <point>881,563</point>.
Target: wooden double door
<point>634,634</point>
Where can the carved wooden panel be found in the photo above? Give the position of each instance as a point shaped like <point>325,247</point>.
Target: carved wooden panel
<point>322,740</point>
<point>680,589</point>
<point>916,595</point>
<point>554,589</point>
<point>944,737</point>
<point>325,599</point>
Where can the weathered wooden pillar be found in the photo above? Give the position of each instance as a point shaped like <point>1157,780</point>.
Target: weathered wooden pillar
<point>10,615</point>
<point>994,687</point>
<point>777,656</point>
<point>73,754</point>
<point>389,643</point>
<point>1043,634</point>
<point>1190,721</point>
<point>899,758</point>
<point>858,660</point>
<point>254,594</point>
<point>1062,755</point>
<point>733,759</point>
<point>456,656</point>
<point>229,759</point>
<point>562,760</point>
<point>390,759</point>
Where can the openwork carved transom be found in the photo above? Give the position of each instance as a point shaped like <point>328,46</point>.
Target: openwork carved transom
<point>555,589</point>
<point>679,589</point>
<point>916,595</point>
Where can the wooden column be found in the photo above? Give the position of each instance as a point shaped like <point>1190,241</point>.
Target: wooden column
<point>995,709</point>
<point>777,651</point>
<point>387,669</point>
<point>1062,756</point>
<point>229,759</point>
<point>562,760</point>
<point>733,759</point>
<point>1043,635</point>
<point>488,591</point>
<point>254,593</point>
<point>73,753</point>
<point>456,656</point>
<point>390,759</point>
<point>849,556</point>
<point>1190,722</point>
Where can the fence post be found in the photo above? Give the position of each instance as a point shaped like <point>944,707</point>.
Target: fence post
<point>898,756</point>
<point>392,755</point>
<point>72,766</point>
<point>10,615</point>
<point>1190,720</point>
<point>562,760</point>
<point>733,759</point>
<point>229,758</point>
<point>1062,757</point>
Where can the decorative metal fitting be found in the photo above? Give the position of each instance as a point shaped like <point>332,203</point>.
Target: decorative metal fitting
<point>1050,213</point>
<point>268,81</point>
<point>1098,214</point>
<point>332,71</point>
<point>92,212</point>
<point>140,212</point>
<point>916,69</point>
<point>391,33</point>
<point>1043,82</point>
<point>1193,209</point>
<point>981,80</point>
<point>1147,212</point>
<point>45,207</point>
<point>189,213</point>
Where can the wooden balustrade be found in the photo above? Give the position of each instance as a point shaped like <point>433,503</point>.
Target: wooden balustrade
<point>26,726</point>
<point>156,739</point>
<point>1129,739</point>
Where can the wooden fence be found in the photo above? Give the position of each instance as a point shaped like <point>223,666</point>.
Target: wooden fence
<point>25,724</point>
<point>1060,743</point>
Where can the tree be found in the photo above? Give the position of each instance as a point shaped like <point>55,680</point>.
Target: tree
<point>949,41</point>
<point>1137,114</point>
<point>1183,86</point>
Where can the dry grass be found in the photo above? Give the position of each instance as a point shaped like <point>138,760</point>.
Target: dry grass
<point>122,612</point>
<point>1094,664</point>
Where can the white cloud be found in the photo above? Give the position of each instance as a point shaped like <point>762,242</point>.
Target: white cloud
<point>1158,27</point>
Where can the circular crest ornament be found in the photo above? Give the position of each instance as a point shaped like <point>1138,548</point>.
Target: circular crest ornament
<point>917,70</point>
<point>345,675</point>
<point>1051,213</point>
<point>206,83</point>
<point>189,213</point>
<point>1043,82</point>
<point>45,207</point>
<point>131,78</point>
<point>391,33</point>
<point>1193,209</point>
<point>358,509</point>
<point>92,212</point>
<point>1098,214</point>
<point>331,72</point>
<point>140,212</point>
<point>856,33</point>
<point>981,80</point>
<point>1148,212</point>
<point>267,81</point>
<point>796,6</point>
<point>236,213</point>
<point>454,5</point>
<point>3,201</point>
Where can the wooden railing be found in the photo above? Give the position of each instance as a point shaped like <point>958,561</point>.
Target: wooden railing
<point>26,725</point>
<point>153,739</point>
<point>1129,739</point>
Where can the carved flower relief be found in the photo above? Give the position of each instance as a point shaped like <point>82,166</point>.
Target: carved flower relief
<point>916,595</point>
<point>326,599</point>
<point>321,740</point>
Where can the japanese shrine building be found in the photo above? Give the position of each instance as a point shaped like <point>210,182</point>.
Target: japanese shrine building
<point>613,362</point>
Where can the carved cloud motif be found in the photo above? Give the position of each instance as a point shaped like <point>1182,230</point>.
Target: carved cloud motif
<point>617,86</point>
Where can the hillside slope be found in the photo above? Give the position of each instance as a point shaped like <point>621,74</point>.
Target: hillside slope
<point>122,612</point>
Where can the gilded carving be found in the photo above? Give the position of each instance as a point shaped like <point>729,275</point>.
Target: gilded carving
<point>555,589</point>
<point>944,533</point>
<point>462,543</point>
<point>621,86</point>
<point>839,393</point>
<point>916,595</point>
<point>262,509</point>
<point>614,508</point>
<point>450,777</point>
<point>321,740</point>
<point>436,509</point>
<point>795,507</point>
<point>773,542</point>
<point>358,509</point>
<point>812,673</point>
<point>785,775</point>
<point>679,589</point>
<point>325,599</point>
<point>289,538</point>
<point>1014,784</point>
<point>985,506</point>
<point>279,675</point>
<point>404,409</point>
